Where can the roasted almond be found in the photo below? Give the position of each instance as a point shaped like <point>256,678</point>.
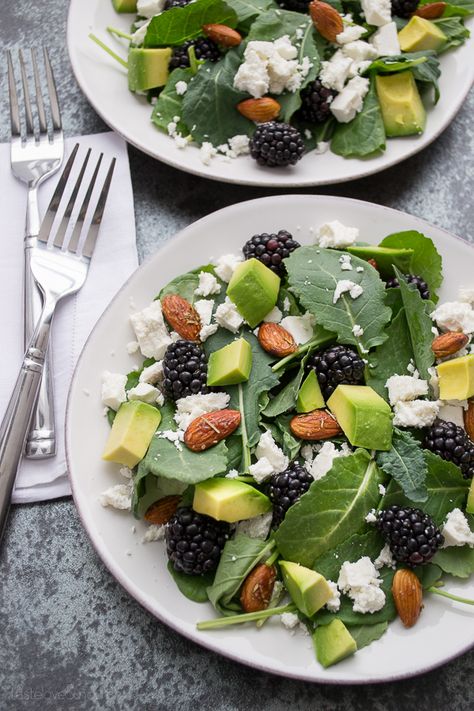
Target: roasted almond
<point>162,510</point>
<point>315,425</point>
<point>223,35</point>
<point>373,264</point>
<point>276,340</point>
<point>259,110</point>
<point>468,416</point>
<point>181,316</point>
<point>408,596</point>
<point>256,591</point>
<point>431,11</point>
<point>209,429</point>
<point>448,344</point>
<point>326,19</point>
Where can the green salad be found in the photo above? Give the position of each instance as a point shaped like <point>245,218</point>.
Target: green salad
<point>275,80</point>
<point>299,433</point>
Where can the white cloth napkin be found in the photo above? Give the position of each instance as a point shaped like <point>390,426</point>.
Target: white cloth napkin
<point>115,258</point>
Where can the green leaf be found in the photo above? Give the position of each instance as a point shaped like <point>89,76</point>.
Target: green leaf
<point>419,323</point>
<point>194,587</point>
<point>456,560</point>
<point>313,275</point>
<point>332,509</point>
<point>454,29</point>
<point>405,463</point>
<point>185,284</point>
<point>353,548</point>
<point>426,260</point>
<point>280,429</point>
<point>447,489</point>
<point>365,134</point>
<point>148,488</point>
<point>428,575</point>
<point>170,104</point>
<point>179,24</point>
<point>286,399</point>
<point>391,357</point>
<point>424,66</point>
<point>366,634</point>
<point>248,10</point>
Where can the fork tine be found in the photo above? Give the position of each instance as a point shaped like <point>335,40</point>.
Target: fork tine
<point>60,234</point>
<point>39,96</point>
<point>76,233</point>
<point>93,231</point>
<point>26,96</point>
<point>53,95</point>
<point>52,209</point>
<point>14,110</point>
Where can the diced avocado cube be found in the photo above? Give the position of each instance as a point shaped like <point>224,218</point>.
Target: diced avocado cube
<point>133,427</point>
<point>125,5</point>
<point>230,365</point>
<point>229,500</point>
<point>148,68</point>
<point>333,642</point>
<point>403,112</point>
<point>309,396</point>
<point>308,589</point>
<point>420,34</point>
<point>365,417</point>
<point>254,290</point>
<point>470,499</point>
<point>385,257</point>
<point>456,378</point>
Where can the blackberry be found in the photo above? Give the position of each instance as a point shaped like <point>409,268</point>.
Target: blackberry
<point>404,8</point>
<point>194,542</point>
<point>271,249</point>
<point>316,102</point>
<point>204,48</point>
<point>420,284</point>
<point>276,144</point>
<point>286,488</point>
<point>295,5</point>
<point>335,366</point>
<point>412,535</point>
<point>176,3</point>
<point>185,370</point>
<point>451,442</point>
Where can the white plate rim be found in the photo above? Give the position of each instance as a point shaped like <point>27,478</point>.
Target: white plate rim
<point>132,588</point>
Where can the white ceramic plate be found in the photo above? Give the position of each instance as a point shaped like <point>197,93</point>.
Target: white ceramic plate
<point>444,629</point>
<point>104,83</point>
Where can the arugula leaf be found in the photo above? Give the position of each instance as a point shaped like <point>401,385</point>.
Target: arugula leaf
<point>423,65</point>
<point>366,634</point>
<point>332,509</point>
<point>419,323</point>
<point>365,134</point>
<point>353,548</point>
<point>194,587</point>
<point>169,104</point>
<point>210,100</point>
<point>313,274</point>
<point>456,560</point>
<point>179,24</point>
<point>447,489</point>
<point>286,399</point>
<point>455,31</point>
<point>248,10</point>
<point>391,357</point>
<point>426,260</point>
<point>405,463</point>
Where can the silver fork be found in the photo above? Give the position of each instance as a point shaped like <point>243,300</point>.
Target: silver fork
<point>35,156</point>
<point>59,268</point>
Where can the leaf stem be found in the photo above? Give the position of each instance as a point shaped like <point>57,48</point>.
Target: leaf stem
<point>109,51</point>
<point>119,33</point>
<point>317,341</point>
<point>246,458</point>
<point>271,559</point>
<point>465,600</point>
<point>193,61</point>
<point>245,617</point>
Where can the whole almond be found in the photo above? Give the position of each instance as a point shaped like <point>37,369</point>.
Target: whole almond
<point>223,35</point>
<point>162,510</point>
<point>373,264</point>
<point>431,11</point>
<point>276,340</point>
<point>209,429</point>
<point>181,316</point>
<point>315,425</point>
<point>259,110</point>
<point>326,19</point>
<point>408,596</point>
<point>468,416</point>
<point>448,344</point>
<point>257,588</point>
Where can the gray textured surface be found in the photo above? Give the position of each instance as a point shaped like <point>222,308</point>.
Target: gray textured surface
<point>71,637</point>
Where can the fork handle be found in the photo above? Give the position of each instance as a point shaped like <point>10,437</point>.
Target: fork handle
<point>17,418</point>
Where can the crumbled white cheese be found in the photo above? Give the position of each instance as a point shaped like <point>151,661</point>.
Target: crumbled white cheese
<point>150,8</point>
<point>113,389</point>
<point>173,436</point>
<point>204,307</point>
<point>300,327</point>
<point>350,100</point>
<point>452,413</point>
<point>377,12</point>
<point>402,388</point>
<point>239,145</point>
<point>192,406</point>
<point>126,472</point>
<point>226,266</point>
<point>321,147</point>
<point>385,40</point>
<point>346,286</point>
<point>258,527</point>
<point>385,558</point>
<point>150,331</point>
<point>323,461</point>
<point>357,330</point>
<point>361,582</point>
<point>207,152</point>
<point>154,533</point>
<point>371,517</point>
<point>336,235</point>
<point>456,530</point>
<point>181,87</point>
<point>286,304</point>
<point>138,36</point>
<point>268,448</point>
<point>152,374</point>
<point>118,496</point>
<point>334,602</point>
<point>290,620</point>
<point>144,392</point>
<point>416,413</point>
<point>261,470</point>
<point>208,285</point>
<point>334,73</point>
<point>133,347</point>
<point>382,490</point>
<point>233,474</point>
<point>350,34</point>
<point>359,51</point>
<point>228,317</point>
<point>345,262</point>
<point>273,316</point>
<point>454,316</point>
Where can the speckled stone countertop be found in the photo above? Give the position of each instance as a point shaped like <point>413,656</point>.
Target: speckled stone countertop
<point>71,637</point>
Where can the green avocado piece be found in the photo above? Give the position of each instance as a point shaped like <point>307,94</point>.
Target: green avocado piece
<point>364,416</point>
<point>147,68</point>
<point>309,396</point>
<point>385,257</point>
<point>456,378</point>
<point>125,5</point>
<point>229,500</point>
<point>333,642</point>
<point>133,427</point>
<point>308,589</point>
<point>230,365</point>
<point>420,34</point>
<point>254,290</point>
<point>470,499</point>
<point>403,112</point>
